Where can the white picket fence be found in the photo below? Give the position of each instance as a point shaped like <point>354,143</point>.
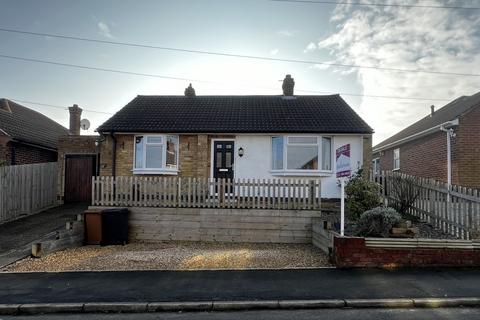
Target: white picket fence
<point>298,194</point>
<point>27,189</point>
<point>455,211</point>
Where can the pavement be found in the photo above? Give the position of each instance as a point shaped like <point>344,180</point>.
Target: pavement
<point>17,236</point>
<point>142,291</point>
<point>327,314</point>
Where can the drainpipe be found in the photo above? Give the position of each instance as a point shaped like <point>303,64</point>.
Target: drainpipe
<point>448,128</point>
<point>114,155</point>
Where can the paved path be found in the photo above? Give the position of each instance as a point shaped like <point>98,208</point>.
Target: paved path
<point>16,236</point>
<point>148,286</point>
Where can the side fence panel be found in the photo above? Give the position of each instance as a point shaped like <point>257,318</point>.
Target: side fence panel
<point>454,210</point>
<point>27,189</point>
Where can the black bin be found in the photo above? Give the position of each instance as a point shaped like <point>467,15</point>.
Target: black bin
<point>114,227</point>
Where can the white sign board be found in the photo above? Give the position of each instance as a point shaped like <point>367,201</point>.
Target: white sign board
<point>342,157</point>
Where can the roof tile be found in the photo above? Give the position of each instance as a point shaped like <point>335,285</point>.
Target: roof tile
<point>449,112</point>
<point>236,114</point>
<point>27,125</point>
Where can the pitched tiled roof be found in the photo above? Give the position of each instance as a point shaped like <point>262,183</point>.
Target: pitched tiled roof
<point>449,112</point>
<point>237,114</point>
<point>24,124</point>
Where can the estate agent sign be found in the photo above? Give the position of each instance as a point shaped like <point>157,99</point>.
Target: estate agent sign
<point>343,161</point>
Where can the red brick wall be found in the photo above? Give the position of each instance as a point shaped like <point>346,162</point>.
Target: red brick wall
<point>17,154</point>
<point>4,154</point>
<point>351,252</point>
<point>427,156</point>
<point>468,141</point>
<point>424,157</point>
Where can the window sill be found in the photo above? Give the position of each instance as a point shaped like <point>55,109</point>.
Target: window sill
<point>396,169</point>
<point>284,173</point>
<point>155,171</point>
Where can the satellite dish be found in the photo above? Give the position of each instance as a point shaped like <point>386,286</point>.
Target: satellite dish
<point>84,124</point>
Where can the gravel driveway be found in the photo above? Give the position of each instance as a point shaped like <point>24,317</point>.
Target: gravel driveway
<point>177,256</point>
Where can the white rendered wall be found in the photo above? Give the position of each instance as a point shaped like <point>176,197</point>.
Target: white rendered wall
<point>256,160</point>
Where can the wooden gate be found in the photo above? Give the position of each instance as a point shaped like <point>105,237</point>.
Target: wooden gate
<point>78,177</point>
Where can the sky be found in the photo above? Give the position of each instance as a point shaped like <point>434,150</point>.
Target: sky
<point>439,40</point>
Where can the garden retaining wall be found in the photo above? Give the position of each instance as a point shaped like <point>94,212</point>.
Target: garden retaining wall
<point>374,252</point>
<point>323,234</point>
<point>71,236</point>
<point>223,225</point>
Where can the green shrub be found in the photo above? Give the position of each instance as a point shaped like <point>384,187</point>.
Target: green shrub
<point>361,195</point>
<point>377,222</point>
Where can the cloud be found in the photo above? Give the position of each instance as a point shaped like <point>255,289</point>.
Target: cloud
<point>104,30</point>
<point>274,52</point>
<point>320,66</point>
<point>310,47</point>
<point>287,33</point>
<point>407,38</point>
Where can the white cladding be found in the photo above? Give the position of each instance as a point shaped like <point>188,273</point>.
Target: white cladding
<point>256,161</point>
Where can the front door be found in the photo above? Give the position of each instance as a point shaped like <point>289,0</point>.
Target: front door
<point>223,154</point>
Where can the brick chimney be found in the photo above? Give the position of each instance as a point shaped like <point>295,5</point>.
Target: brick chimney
<point>287,86</point>
<point>432,108</point>
<point>189,92</point>
<point>75,115</point>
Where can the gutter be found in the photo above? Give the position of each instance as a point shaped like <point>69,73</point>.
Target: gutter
<point>417,135</point>
<point>33,145</point>
<point>243,133</point>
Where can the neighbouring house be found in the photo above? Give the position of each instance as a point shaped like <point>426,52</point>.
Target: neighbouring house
<point>27,136</point>
<point>421,148</point>
<point>234,137</point>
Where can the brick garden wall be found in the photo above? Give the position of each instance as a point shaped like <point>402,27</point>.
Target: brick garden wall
<point>352,252</point>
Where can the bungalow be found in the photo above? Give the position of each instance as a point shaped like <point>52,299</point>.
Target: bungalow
<point>235,137</point>
<point>421,149</point>
<point>27,136</point>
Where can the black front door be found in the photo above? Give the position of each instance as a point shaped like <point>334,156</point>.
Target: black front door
<point>223,154</point>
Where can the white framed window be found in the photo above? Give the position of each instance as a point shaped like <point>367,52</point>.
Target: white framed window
<point>156,154</point>
<point>301,154</point>
<point>327,153</point>
<point>396,159</point>
<point>277,153</point>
